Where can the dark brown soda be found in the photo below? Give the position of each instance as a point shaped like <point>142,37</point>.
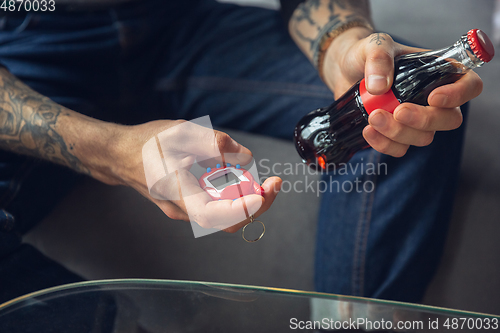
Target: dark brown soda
<point>416,76</point>
<point>331,135</point>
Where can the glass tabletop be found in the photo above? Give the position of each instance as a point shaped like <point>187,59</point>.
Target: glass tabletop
<point>151,306</point>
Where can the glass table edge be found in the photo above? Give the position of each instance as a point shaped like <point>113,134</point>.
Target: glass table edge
<point>412,306</point>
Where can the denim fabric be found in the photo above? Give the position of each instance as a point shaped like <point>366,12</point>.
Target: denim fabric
<point>387,243</point>
<point>156,59</point>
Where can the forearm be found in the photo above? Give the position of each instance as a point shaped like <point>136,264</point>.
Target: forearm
<point>312,19</point>
<point>32,124</point>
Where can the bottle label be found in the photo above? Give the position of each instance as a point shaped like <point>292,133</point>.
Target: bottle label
<point>387,101</point>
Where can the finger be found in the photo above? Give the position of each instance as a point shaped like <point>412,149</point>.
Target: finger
<point>379,67</point>
<point>455,94</point>
<point>205,143</point>
<point>227,213</point>
<point>271,188</point>
<point>428,118</point>
<point>207,213</point>
<point>230,151</point>
<point>168,207</point>
<point>384,123</point>
<point>197,205</point>
<point>167,188</point>
<point>383,144</point>
<point>172,210</point>
<point>221,214</point>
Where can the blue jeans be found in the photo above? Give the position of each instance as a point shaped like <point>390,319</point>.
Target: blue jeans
<point>186,59</point>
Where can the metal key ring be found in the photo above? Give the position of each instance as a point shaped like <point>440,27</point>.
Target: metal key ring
<point>252,220</point>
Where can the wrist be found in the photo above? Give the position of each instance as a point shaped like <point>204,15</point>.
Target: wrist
<point>329,37</point>
<point>339,46</point>
<point>337,50</point>
<point>95,144</point>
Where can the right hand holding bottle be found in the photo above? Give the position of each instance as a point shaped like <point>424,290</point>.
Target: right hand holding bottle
<point>359,53</point>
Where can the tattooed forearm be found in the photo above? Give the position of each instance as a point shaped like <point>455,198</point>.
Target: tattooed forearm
<point>314,18</point>
<point>29,124</point>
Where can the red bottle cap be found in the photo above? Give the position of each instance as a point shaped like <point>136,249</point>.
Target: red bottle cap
<point>481,45</point>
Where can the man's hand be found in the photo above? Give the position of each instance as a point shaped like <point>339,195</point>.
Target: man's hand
<point>357,53</point>
<point>32,124</point>
<point>182,198</point>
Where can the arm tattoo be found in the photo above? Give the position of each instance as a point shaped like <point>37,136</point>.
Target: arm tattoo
<point>305,11</point>
<point>28,124</point>
<point>313,18</point>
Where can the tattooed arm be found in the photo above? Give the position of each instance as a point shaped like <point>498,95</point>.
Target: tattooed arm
<point>357,52</point>
<point>32,124</point>
<point>314,18</point>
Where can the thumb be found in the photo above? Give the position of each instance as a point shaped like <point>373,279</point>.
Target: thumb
<point>189,139</point>
<point>232,151</point>
<point>224,149</point>
<point>379,63</point>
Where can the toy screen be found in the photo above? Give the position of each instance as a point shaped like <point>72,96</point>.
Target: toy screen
<point>225,180</point>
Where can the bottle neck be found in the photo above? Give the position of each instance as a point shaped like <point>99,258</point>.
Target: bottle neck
<point>460,54</point>
<point>417,74</point>
<point>467,55</point>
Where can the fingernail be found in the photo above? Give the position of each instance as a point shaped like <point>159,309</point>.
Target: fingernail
<point>367,132</point>
<point>404,115</point>
<point>439,100</point>
<point>377,82</point>
<point>377,120</point>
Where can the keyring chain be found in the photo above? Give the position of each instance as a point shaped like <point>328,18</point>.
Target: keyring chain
<point>252,220</point>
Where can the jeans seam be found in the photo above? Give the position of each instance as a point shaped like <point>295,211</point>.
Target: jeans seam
<point>362,232</point>
<point>234,84</point>
<point>24,24</point>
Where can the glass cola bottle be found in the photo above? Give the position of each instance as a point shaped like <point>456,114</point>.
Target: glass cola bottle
<point>331,135</point>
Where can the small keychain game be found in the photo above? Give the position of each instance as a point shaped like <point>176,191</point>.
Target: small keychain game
<point>227,182</point>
